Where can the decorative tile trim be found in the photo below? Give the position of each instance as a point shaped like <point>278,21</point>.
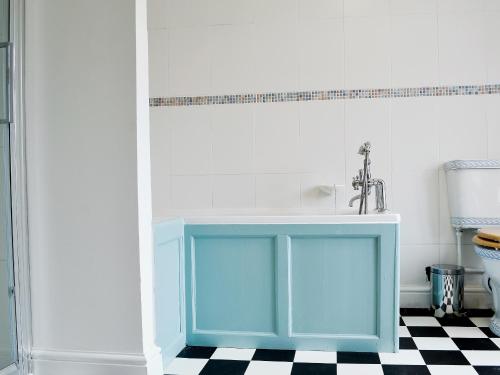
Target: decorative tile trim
<point>474,222</point>
<point>303,96</point>
<point>472,164</point>
<point>486,252</point>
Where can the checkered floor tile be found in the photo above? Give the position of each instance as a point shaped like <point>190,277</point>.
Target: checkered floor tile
<point>455,345</point>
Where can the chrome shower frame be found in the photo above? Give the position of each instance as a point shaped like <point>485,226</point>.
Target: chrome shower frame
<point>22,283</point>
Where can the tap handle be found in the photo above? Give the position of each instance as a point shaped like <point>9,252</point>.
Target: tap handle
<point>355,183</point>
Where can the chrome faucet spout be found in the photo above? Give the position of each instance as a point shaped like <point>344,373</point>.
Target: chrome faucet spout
<point>355,198</point>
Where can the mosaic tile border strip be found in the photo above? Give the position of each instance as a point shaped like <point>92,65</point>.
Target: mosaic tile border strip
<point>303,96</point>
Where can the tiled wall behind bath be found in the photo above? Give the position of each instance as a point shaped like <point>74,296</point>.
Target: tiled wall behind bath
<point>274,156</point>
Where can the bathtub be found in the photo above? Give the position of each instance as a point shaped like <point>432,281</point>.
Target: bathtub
<point>307,282</point>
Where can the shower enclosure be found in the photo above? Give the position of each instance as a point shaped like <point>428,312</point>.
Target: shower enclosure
<point>8,341</point>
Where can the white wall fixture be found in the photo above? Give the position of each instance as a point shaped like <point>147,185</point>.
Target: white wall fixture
<point>87,131</point>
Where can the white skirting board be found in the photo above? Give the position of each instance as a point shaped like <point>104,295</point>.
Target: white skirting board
<point>476,297</point>
<point>52,362</point>
<point>170,352</point>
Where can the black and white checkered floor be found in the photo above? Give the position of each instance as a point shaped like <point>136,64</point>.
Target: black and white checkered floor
<point>428,345</point>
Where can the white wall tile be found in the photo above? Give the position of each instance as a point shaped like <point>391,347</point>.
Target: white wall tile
<point>492,34</point>
<point>462,49</point>
<point>414,259</point>
<point>492,5</point>
<point>277,191</point>
<point>355,8</point>
<point>322,138</point>
<point>233,59</point>
<point>470,258</point>
<point>191,148</point>
<point>229,12</point>
<point>414,50</point>
<point>192,192</point>
<point>189,62</point>
<point>161,192</point>
<point>311,194</point>
<point>276,63</point>
<point>204,157</point>
<point>368,120</point>
<point>492,103</point>
<point>232,138</point>
<point>460,6</point>
<point>367,52</point>
<point>320,9</point>
<point>446,231</point>
<point>448,255</point>
<point>275,11</point>
<point>234,191</point>
<point>186,13</point>
<point>462,128</point>
<point>157,14</point>
<point>276,137</point>
<point>160,160</point>
<point>413,6</point>
<point>415,164</point>
<point>321,54</point>
<point>158,62</point>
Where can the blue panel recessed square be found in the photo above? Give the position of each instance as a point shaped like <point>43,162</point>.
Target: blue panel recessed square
<point>235,284</point>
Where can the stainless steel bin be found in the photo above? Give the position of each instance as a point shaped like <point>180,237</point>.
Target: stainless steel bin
<point>447,288</point>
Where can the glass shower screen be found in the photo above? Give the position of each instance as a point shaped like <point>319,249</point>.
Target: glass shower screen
<point>8,346</point>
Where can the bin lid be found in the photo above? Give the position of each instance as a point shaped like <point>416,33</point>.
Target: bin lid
<point>447,269</point>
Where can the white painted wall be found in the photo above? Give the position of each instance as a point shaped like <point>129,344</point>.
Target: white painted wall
<point>88,187</point>
<point>273,156</point>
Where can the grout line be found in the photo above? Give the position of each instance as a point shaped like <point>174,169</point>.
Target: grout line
<point>438,58</point>
<point>211,158</point>
<point>439,132</point>
<point>254,130</point>
<point>346,181</point>
<point>390,196</point>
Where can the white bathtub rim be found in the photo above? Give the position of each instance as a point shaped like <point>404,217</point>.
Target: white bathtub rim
<point>285,218</point>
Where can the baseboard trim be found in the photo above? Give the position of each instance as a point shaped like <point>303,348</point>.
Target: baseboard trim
<point>125,359</point>
<point>418,296</point>
<point>60,362</point>
<point>171,351</point>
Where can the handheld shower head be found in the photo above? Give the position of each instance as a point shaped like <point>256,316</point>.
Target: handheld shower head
<point>365,148</point>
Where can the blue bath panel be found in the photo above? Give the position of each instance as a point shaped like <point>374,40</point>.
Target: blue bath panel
<point>333,285</point>
<point>169,288</point>
<point>296,286</point>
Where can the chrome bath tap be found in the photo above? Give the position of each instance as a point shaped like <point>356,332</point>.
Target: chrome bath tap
<point>364,181</point>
